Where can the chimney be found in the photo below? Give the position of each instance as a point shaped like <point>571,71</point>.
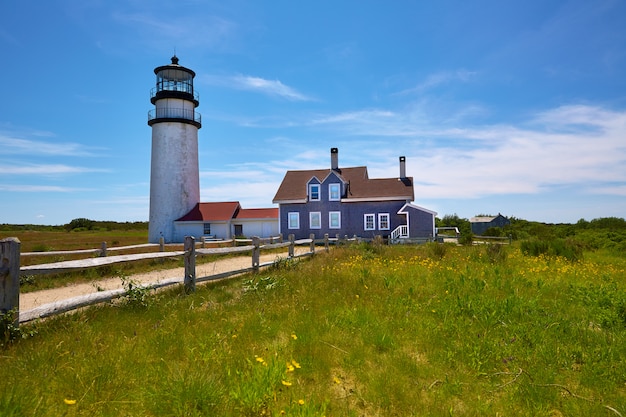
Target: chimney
<point>402,167</point>
<point>334,159</point>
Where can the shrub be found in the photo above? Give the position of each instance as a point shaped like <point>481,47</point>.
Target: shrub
<point>496,253</point>
<point>567,248</point>
<point>136,294</point>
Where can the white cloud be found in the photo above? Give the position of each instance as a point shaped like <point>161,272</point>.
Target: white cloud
<point>257,84</point>
<point>191,31</point>
<point>38,188</point>
<point>45,169</point>
<point>13,145</point>
<point>440,78</point>
<point>251,194</point>
<point>575,146</point>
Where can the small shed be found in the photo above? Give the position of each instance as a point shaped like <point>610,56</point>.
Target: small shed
<point>480,224</point>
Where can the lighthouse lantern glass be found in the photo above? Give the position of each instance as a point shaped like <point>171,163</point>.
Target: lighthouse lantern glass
<point>174,80</point>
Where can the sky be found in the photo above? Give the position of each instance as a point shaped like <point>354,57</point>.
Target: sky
<point>516,108</point>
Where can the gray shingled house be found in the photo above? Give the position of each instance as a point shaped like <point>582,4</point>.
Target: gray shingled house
<point>346,201</point>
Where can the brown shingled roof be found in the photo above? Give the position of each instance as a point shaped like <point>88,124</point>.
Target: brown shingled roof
<point>294,185</point>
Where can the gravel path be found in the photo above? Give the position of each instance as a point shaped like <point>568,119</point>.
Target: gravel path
<point>35,299</point>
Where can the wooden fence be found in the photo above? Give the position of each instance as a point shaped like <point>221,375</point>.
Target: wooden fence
<point>10,269</point>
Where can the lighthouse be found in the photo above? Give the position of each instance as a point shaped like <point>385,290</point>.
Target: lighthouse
<point>174,171</point>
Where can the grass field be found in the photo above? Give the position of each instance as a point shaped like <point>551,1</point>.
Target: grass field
<point>362,331</point>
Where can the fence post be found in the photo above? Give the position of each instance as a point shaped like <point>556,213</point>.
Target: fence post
<point>190,264</point>
<point>256,253</point>
<point>103,249</point>
<point>326,242</point>
<point>10,277</point>
<point>312,237</point>
<point>280,238</point>
<point>161,244</point>
<point>292,239</point>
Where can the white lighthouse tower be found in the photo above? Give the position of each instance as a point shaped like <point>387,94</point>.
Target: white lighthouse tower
<point>174,172</point>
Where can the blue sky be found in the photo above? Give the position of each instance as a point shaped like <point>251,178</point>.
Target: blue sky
<point>516,108</point>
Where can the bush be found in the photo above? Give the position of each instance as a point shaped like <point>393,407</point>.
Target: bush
<point>567,248</point>
<point>80,223</point>
<point>496,253</point>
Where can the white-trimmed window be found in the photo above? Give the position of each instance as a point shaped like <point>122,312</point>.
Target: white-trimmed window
<point>314,192</point>
<point>293,220</point>
<point>383,221</point>
<point>334,192</point>
<point>369,222</point>
<point>334,220</point>
<point>315,220</point>
<point>206,229</point>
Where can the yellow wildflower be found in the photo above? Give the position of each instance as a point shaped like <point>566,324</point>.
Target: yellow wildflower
<point>301,401</point>
<point>286,383</point>
<point>69,402</point>
<point>337,380</point>
<point>290,368</point>
<point>294,363</point>
<point>294,337</point>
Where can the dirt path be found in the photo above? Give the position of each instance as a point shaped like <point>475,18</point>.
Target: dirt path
<point>35,299</point>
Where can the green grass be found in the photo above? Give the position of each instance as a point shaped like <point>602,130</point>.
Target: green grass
<point>363,330</point>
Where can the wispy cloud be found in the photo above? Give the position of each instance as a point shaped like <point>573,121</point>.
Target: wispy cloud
<point>45,169</point>
<point>273,88</point>
<point>579,146</point>
<point>15,145</point>
<point>39,189</point>
<point>190,31</point>
<point>440,78</point>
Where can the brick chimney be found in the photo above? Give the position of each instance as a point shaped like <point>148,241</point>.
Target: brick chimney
<point>334,159</point>
<point>402,167</point>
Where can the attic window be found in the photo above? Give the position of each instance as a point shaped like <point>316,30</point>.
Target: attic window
<point>314,192</point>
<point>334,193</point>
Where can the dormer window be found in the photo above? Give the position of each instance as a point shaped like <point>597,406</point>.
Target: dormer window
<point>314,192</point>
<point>334,192</point>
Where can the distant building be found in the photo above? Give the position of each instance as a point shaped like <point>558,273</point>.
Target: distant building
<point>480,224</point>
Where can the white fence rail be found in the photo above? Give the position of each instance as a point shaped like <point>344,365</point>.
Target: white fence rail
<point>10,270</point>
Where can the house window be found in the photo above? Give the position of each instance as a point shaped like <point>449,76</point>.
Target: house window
<point>334,193</point>
<point>294,220</point>
<point>383,221</point>
<point>314,192</point>
<point>334,220</point>
<point>206,229</point>
<point>315,220</point>
<point>369,222</point>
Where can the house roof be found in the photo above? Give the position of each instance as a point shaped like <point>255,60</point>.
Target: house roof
<point>360,186</point>
<point>257,213</point>
<point>219,211</point>
<point>484,219</point>
<point>225,211</point>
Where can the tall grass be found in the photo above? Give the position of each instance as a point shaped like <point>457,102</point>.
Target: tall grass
<point>362,331</point>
